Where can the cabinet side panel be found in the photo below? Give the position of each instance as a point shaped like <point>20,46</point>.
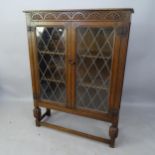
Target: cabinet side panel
<point>114,73</point>
<point>121,67</point>
<point>122,35</point>
<point>31,57</point>
<point>28,23</point>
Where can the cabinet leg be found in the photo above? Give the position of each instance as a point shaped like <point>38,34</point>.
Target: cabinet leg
<point>48,112</point>
<point>113,133</point>
<point>37,115</point>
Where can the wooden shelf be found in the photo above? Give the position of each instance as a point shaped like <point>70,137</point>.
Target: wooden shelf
<point>53,80</point>
<point>95,53</point>
<point>92,86</point>
<point>52,53</point>
<point>57,67</point>
<point>93,56</point>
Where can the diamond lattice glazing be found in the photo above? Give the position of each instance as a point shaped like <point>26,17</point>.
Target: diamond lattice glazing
<point>51,57</point>
<point>94,55</point>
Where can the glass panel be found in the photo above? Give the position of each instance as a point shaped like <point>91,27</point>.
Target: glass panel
<point>94,57</point>
<point>51,55</point>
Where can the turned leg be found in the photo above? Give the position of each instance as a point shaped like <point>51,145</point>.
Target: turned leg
<point>37,115</point>
<point>113,133</point>
<point>113,130</point>
<point>48,112</point>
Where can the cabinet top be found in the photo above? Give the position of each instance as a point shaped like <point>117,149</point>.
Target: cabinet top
<point>120,14</point>
<point>70,10</point>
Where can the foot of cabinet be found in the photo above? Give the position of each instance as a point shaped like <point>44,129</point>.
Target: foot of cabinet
<point>37,115</point>
<point>113,133</point>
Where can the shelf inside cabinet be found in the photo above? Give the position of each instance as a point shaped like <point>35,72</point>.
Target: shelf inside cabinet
<point>92,86</point>
<point>52,53</point>
<point>93,56</point>
<point>53,80</point>
<point>105,53</point>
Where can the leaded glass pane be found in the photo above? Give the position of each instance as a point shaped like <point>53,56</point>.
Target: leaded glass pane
<point>51,57</point>
<point>94,57</point>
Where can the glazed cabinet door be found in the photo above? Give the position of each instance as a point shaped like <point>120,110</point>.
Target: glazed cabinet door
<point>95,47</point>
<point>51,53</point>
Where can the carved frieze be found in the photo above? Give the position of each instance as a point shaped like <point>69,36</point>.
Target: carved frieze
<point>97,15</point>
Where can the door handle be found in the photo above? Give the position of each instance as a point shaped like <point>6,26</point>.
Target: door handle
<point>71,62</point>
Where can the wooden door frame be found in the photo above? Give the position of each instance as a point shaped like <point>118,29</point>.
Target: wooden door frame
<point>35,65</point>
<point>114,67</point>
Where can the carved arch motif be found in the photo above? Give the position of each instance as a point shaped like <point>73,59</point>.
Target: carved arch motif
<point>81,15</point>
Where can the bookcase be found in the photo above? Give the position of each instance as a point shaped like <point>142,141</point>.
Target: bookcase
<point>77,60</point>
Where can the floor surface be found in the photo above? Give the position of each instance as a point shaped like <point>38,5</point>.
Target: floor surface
<point>20,136</point>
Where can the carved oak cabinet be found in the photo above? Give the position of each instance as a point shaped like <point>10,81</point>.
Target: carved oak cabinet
<point>77,60</point>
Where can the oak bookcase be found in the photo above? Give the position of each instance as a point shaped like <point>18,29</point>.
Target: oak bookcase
<point>77,60</point>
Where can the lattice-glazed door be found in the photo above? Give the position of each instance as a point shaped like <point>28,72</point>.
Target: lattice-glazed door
<point>51,49</point>
<point>94,53</point>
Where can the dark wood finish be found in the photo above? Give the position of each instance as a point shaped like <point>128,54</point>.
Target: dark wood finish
<point>113,132</point>
<point>37,115</point>
<point>48,112</point>
<point>117,19</point>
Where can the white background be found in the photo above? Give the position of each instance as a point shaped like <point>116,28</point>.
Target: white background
<point>18,134</point>
<point>15,80</point>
